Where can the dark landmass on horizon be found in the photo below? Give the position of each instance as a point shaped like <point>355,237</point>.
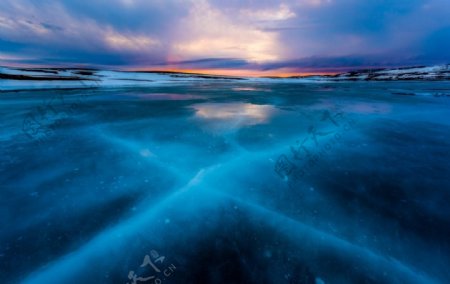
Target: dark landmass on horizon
<point>429,73</point>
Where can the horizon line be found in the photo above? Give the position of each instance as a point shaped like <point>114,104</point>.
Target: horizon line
<point>219,72</point>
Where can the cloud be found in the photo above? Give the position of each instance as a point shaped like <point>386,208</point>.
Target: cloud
<point>213,33</point>
<point>208,63</point>
<point>124,42</point>
<point>283,12</point>
<point>237,34</point>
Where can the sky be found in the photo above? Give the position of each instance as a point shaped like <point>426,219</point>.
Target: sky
<point>232,37</point>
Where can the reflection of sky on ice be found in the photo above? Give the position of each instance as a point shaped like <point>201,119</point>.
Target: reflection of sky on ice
<point>355,107</point>
<point>120,177</point>
<point>250,89</point>
<point>234,115</point>
<point>163,97</point>
<point>225,117</point>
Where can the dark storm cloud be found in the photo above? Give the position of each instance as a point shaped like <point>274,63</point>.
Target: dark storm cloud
<point>222,63</point>
<point>262,35</point>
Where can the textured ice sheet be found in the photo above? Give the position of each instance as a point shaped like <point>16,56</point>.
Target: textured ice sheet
<point>91,181</point>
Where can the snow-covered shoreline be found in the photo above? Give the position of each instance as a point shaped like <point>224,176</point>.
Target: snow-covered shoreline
<point>12,79</point>
<point>59,78</point>
<point>420,73</point>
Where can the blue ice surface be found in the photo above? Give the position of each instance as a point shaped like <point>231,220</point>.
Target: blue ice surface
<point>229,182</point>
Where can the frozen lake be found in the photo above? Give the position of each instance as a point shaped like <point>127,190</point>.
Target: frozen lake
<point>227,182</point>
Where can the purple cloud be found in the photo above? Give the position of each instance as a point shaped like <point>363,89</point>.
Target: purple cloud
<point>263,35</point>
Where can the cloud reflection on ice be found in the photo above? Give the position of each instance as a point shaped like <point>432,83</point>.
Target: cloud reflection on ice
<point>234,115</point>
<point>355,107</point>
<point>167,97</point>
<point>249,89</point>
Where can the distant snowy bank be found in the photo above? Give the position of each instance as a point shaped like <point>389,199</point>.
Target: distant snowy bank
<point>50,78</point>
<point>421,73</point>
